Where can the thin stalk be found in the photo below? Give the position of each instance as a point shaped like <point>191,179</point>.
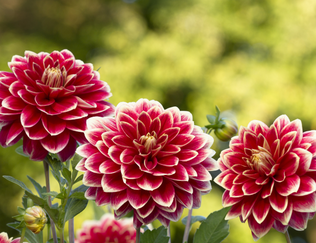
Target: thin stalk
<point>71,230</point>
<point>61,235</point>
<point>46,170</point>
<point>48,231</point>
<point>22,235</point>
<point>168,233</point>
<point>138,235</point>
<point>287,236</point>
<point>187,227</point>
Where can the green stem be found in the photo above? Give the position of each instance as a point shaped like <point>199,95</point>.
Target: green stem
<point>46,170</point>
<point>168,233</point>
<point>48,226</point>
<point>71,230</point>
<point>61,235</point>
<point>137,235</point>
<point>22,235</point>
<point>187,227</point>
<point>287,236</point>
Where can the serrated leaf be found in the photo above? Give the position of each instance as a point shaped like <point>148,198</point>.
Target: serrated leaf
<point>79,178</point>
<point>155,236</point>
<point>75,160</point>
<point>40,190</point>
<point>61,195</point>
<point>29,235</point>
<point>75,206</point>
<point>213,229</point>
<point>17,182</point>
<point>193,219</point>
<point>19,150</point>
<point>67,174</point>
<point>78,195</point>
<point>54,163</point>
<point>53,213</point>
<point>51,193</point>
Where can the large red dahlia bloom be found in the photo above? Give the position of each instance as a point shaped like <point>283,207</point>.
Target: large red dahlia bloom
<point>147,159</point>
<point>107,230</point>
<point>269,176</point>
<point>47,100</point>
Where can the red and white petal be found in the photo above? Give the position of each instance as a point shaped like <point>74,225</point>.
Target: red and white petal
<point>261,209</point>
<point>304,204</point>
<point>164,195</point>
<point>149,182</point>
<point>278,203</point>
<point>138,198</point>
<point>260,229</point>
<point>299,220</point>
<point>112,183</point>
<point>55,144</point>
<point>289,186</point>
<point>307,186</point>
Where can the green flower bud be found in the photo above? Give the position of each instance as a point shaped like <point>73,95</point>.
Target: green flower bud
<point>227,130</point>
<point>35,219</point>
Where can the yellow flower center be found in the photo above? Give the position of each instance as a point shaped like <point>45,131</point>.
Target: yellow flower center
<point>149,141</point>
<point>54,77</point>
<point>261,160</point>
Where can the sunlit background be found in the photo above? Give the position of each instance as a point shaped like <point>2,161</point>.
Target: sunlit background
<point>255,59</point>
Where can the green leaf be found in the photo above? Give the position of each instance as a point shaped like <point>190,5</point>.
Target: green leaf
<point>18,217</point>
<point>29,235</point>
<point>79,178</point>
<point>214,229</point>
<point>78,195</point>
<point>155,236</point>
<point>52,193</point>
<point>75,160</point>
<point>67,174</point>
<point>211,119</point>
<point>193,219</point>
<point>21,210</point>
<point>40,190</point>
<point>53,213</point>
<point>54,163</point>
<point>17,182</point>
<point>19,150</point>
<point>75,206</point>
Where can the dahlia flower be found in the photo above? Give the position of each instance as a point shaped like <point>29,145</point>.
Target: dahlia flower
<point>46,100</point>
<point>35,219</point>
<point>146,159</point>
<point>5,239</point>
<point>107,230</point>
<point>269,175</point>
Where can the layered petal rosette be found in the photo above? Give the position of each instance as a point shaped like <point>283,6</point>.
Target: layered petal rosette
<point>107,230</point>
<point>147,159</point>
<point>46,100</point>
<point>269,175</point>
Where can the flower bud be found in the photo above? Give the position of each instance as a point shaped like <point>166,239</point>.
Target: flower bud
<point>227,130</point>
<point>35,219</point>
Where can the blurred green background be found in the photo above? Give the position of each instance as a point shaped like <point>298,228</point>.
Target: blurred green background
<point>254,58</point>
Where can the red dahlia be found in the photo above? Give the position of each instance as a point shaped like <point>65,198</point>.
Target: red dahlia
<point>269,175</point>
<point>46,100</point>
<point>146,159</point>
<point>107,230</point>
